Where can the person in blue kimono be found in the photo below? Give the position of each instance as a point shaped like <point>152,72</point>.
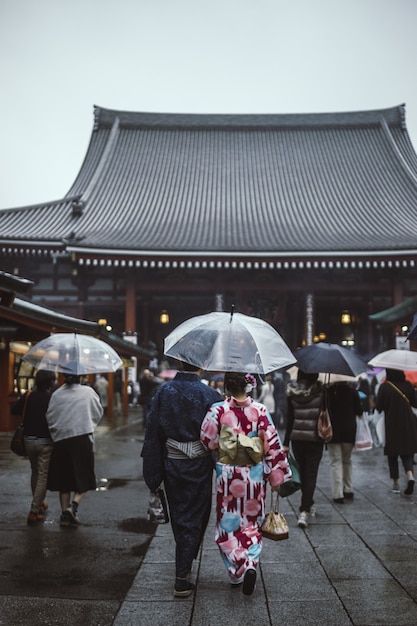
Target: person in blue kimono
<point>173,454</point>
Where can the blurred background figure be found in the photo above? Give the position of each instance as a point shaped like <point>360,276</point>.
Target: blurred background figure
<point>267,396</point>
<point>344,404</point>
<point>102,387</point>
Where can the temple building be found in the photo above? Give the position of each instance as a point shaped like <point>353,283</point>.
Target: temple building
<point>305,220</point>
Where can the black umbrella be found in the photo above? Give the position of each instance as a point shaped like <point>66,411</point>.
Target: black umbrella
<point>329,358</point>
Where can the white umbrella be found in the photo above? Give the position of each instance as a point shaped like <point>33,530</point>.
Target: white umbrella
<point>229,342</point>
<point>71,353</point>
<point>396,360</point>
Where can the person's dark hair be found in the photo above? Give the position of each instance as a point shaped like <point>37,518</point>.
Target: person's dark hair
<point>72,379</point>
<point>235,382</point>
<point>44,380</point>
<point>189,367</point>
<point>307,377</point>
<point>395,375</point>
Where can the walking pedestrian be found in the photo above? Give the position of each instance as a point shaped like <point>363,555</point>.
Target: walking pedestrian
<point>249,453</point>
<point>395,397</point>
<point>304,401</point>
<point>73,414</point>
<point>173,454</point>
<point>38,442</point>
<point>267,396</point>
<point>344,405</point>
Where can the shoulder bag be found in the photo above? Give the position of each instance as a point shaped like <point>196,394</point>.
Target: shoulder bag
<point>324,424</point>
<point>17,444</point>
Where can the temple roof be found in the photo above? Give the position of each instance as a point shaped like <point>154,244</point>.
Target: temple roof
<point>156,185</point>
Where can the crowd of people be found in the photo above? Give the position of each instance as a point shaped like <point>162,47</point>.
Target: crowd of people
<point>228,423</point>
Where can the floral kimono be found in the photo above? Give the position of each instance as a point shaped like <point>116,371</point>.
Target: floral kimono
<point>249,452</point>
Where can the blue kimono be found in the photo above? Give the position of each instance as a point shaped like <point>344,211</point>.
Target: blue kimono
<point>176,414</point>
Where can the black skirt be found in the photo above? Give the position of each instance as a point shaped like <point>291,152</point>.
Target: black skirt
<point>72,466</point>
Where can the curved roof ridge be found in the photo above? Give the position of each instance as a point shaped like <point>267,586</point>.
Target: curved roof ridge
<point>397,152</point>
<point>104,118</point>
<point>104,159</point>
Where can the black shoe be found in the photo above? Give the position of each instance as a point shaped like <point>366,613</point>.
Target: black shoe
<point>68,518</point>
<point>249,582</point>
<point>339,500</point>
<point>348,495</point>
<point>410,487</point>
<point>183,588</point>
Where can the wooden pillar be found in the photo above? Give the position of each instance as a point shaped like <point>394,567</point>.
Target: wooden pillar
<point>110,395</point>
<point>397,298</point>
<point>6,387</point>
<point>130,311</point>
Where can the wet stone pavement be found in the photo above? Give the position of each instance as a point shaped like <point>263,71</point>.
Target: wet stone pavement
<point>355,564</point>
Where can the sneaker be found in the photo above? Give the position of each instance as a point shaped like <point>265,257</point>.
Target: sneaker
<point>34,518</point>
<point>339,500</point>
<point>395,488</point>
<point>312,512</point>
<point>183,588</point>
<point>302,520</point>
<point>68,518</point>
<point>249,581</point>
<point>348,495</point>
<point>410,487</point>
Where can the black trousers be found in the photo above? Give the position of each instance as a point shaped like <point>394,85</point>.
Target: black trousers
<point>188,485</point>
<point>308,456</point>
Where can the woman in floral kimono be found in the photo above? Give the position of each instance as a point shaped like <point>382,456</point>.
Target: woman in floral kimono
<point>249,453</point>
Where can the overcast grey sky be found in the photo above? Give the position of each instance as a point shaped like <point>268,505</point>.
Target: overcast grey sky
<point>58,58</point>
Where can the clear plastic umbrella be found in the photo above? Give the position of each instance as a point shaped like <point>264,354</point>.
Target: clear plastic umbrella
<point>396,360</point>
<point>229,342</point>
<point>71,353</point>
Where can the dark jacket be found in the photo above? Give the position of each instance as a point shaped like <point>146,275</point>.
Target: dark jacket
<point>34,423</point>
<point>177,411</point>
<point>303,410</point>
<point>400,422</point>
<point>344,405</point>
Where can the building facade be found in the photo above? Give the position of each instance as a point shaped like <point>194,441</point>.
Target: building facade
<point>297,219</point>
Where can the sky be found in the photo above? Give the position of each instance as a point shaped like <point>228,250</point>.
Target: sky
<point>58,59</point>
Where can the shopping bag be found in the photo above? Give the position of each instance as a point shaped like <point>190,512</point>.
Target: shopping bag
<point>275,525</point>
<point>293,485</point>
<point>17,444</point>
<point>363,439</point>
<point>158,507</point>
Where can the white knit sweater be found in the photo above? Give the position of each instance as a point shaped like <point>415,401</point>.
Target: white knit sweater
<point>73,410</point>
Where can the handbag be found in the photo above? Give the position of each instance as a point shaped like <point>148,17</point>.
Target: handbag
<point>293,485</point>
<point>17,444</point>
<point>275,526</point>
<point>363,440</point>
<point>158,507</point>
<point>324,424</point>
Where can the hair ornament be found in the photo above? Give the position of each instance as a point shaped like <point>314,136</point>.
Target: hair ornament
<point>250,383</point>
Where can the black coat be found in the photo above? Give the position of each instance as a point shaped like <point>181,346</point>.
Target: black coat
<point>344,405</point>
<point>400,421</point>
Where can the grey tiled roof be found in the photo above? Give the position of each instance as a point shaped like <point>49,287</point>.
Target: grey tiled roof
<point>234,185</point>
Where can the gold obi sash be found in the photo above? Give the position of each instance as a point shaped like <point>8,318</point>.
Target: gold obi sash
<point>239,449</point>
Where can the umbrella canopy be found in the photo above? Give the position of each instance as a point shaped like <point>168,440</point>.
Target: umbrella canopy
<point>396,360</point>
<point>329,358</point>
<point>71,353</point>
<point>229,342</point>
<point>413,330</point>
